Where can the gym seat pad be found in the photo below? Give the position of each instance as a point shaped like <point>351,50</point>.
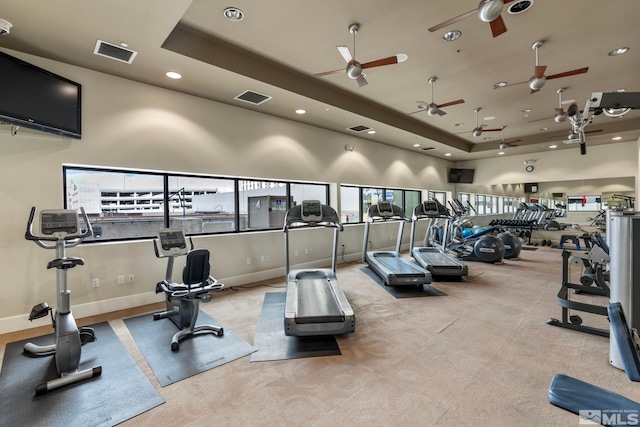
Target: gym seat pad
<point>120,393</point>
<point>590,401</point>
<point>626,346</point>
<point>196,354</point>
<point>273,344</point>
<point>404,291</point>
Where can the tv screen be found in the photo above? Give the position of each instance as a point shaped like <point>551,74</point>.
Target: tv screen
<point>38,99</point>
<point>461,176</point>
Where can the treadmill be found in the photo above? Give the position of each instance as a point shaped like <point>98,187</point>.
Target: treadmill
<point>315,304</point>
<point>392,268</point>
<point>434,258</point>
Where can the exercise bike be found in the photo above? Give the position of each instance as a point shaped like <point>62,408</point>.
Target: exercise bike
<point>62,227</point>
<point>183,299</point>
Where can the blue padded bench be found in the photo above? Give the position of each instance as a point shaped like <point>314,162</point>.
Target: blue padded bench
<point>596,403</point>
<point>569,238</point>
<point>624,339</point>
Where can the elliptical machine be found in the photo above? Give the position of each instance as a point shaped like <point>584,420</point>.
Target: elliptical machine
<point>62,227</point>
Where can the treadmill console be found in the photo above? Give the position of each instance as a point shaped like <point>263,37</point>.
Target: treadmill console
<point>172,242</point>
<point>385,209</point>
<point>311,210</point>
<point>430,207</point>
<point>59,222</point>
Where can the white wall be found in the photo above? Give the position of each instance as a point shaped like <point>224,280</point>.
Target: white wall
<point>131,125</point>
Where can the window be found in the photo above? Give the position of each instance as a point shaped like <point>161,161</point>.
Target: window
<point>119,204</point>
<point>350,204</point>
<point>440,196</point>
<point>201,205</point>
<point>356,201</point>
<point>136,204</point>
<point>583,203</point>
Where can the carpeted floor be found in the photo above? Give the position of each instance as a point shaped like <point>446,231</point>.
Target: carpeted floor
<point>480,356</point>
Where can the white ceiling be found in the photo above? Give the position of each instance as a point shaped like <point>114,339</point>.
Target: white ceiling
<point>280,44</point>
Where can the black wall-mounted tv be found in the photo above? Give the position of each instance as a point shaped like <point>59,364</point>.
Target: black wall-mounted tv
<point>36,98</point>
<point>461,176</point>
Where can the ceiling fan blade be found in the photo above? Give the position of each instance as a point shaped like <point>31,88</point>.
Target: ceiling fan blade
<point>448,104</point>
<point>593,131</point>
<point>511,84</point>
<point>497,26</point>
<point>326,73</point>
<point>380,62</point>
<point>539,120</point>
<point>346,54</point>
<point>418,111</point>
<point>491,130</point>
<point>569,73</point>
<point>513,143</point>
<point>453,20</point>
<point>440,112</point>
<point>361,81</point>
<point>539,71</point>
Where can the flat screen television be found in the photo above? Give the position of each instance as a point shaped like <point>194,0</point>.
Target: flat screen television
<point>461,176</point>
<point>38,99</point>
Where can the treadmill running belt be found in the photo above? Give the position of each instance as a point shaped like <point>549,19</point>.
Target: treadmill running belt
<point>316,302</point>
<point>398,265</point>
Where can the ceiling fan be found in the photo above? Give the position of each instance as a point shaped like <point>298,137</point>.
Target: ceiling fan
<point>433,108</point>
<point>477,131</point>
<point>539,79</point>
<point>354,68</point>
<point>504,144</point>
<point>560,115</point>
<point>488,11</point>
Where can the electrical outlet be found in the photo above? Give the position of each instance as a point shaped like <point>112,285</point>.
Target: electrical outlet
<point>120,279</point>
<point>95,282</point>
<point>306,251</point>
<point>248,261</point>
<point>261,258</point>
<point>310,250</point>
<point>131,278</point>
<point>267,258</point>
<point>295,253</point>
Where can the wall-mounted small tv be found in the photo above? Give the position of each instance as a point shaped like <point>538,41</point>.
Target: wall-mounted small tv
<point>461,176</point>
<point>38,99</point>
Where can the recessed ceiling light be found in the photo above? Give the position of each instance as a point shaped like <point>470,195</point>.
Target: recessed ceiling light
<point>173,75</point>
<point>519,6</point>
<point>447,154</point>
<point>526,110</point>
<point>500,84</point>
<point>621,89</point>
<point>459,124</point>
<point>618,51</point>
<point>490,118</point>
<point>416,145</point>
<point>486,138</point>
<point>543,129</point>
<point>500,153</point>
<point>124,44</point>
<point>233,14</point>
<point>616,138</point>
<point>553,146</point>
<point>451,35</point>
<point>300,111</point>
<point>371,132</point>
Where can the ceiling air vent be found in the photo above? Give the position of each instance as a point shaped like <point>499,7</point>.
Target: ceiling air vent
<point>428,148</point>
<point>113,51</point>
<point>254,98</point>
<point>359,128</point>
